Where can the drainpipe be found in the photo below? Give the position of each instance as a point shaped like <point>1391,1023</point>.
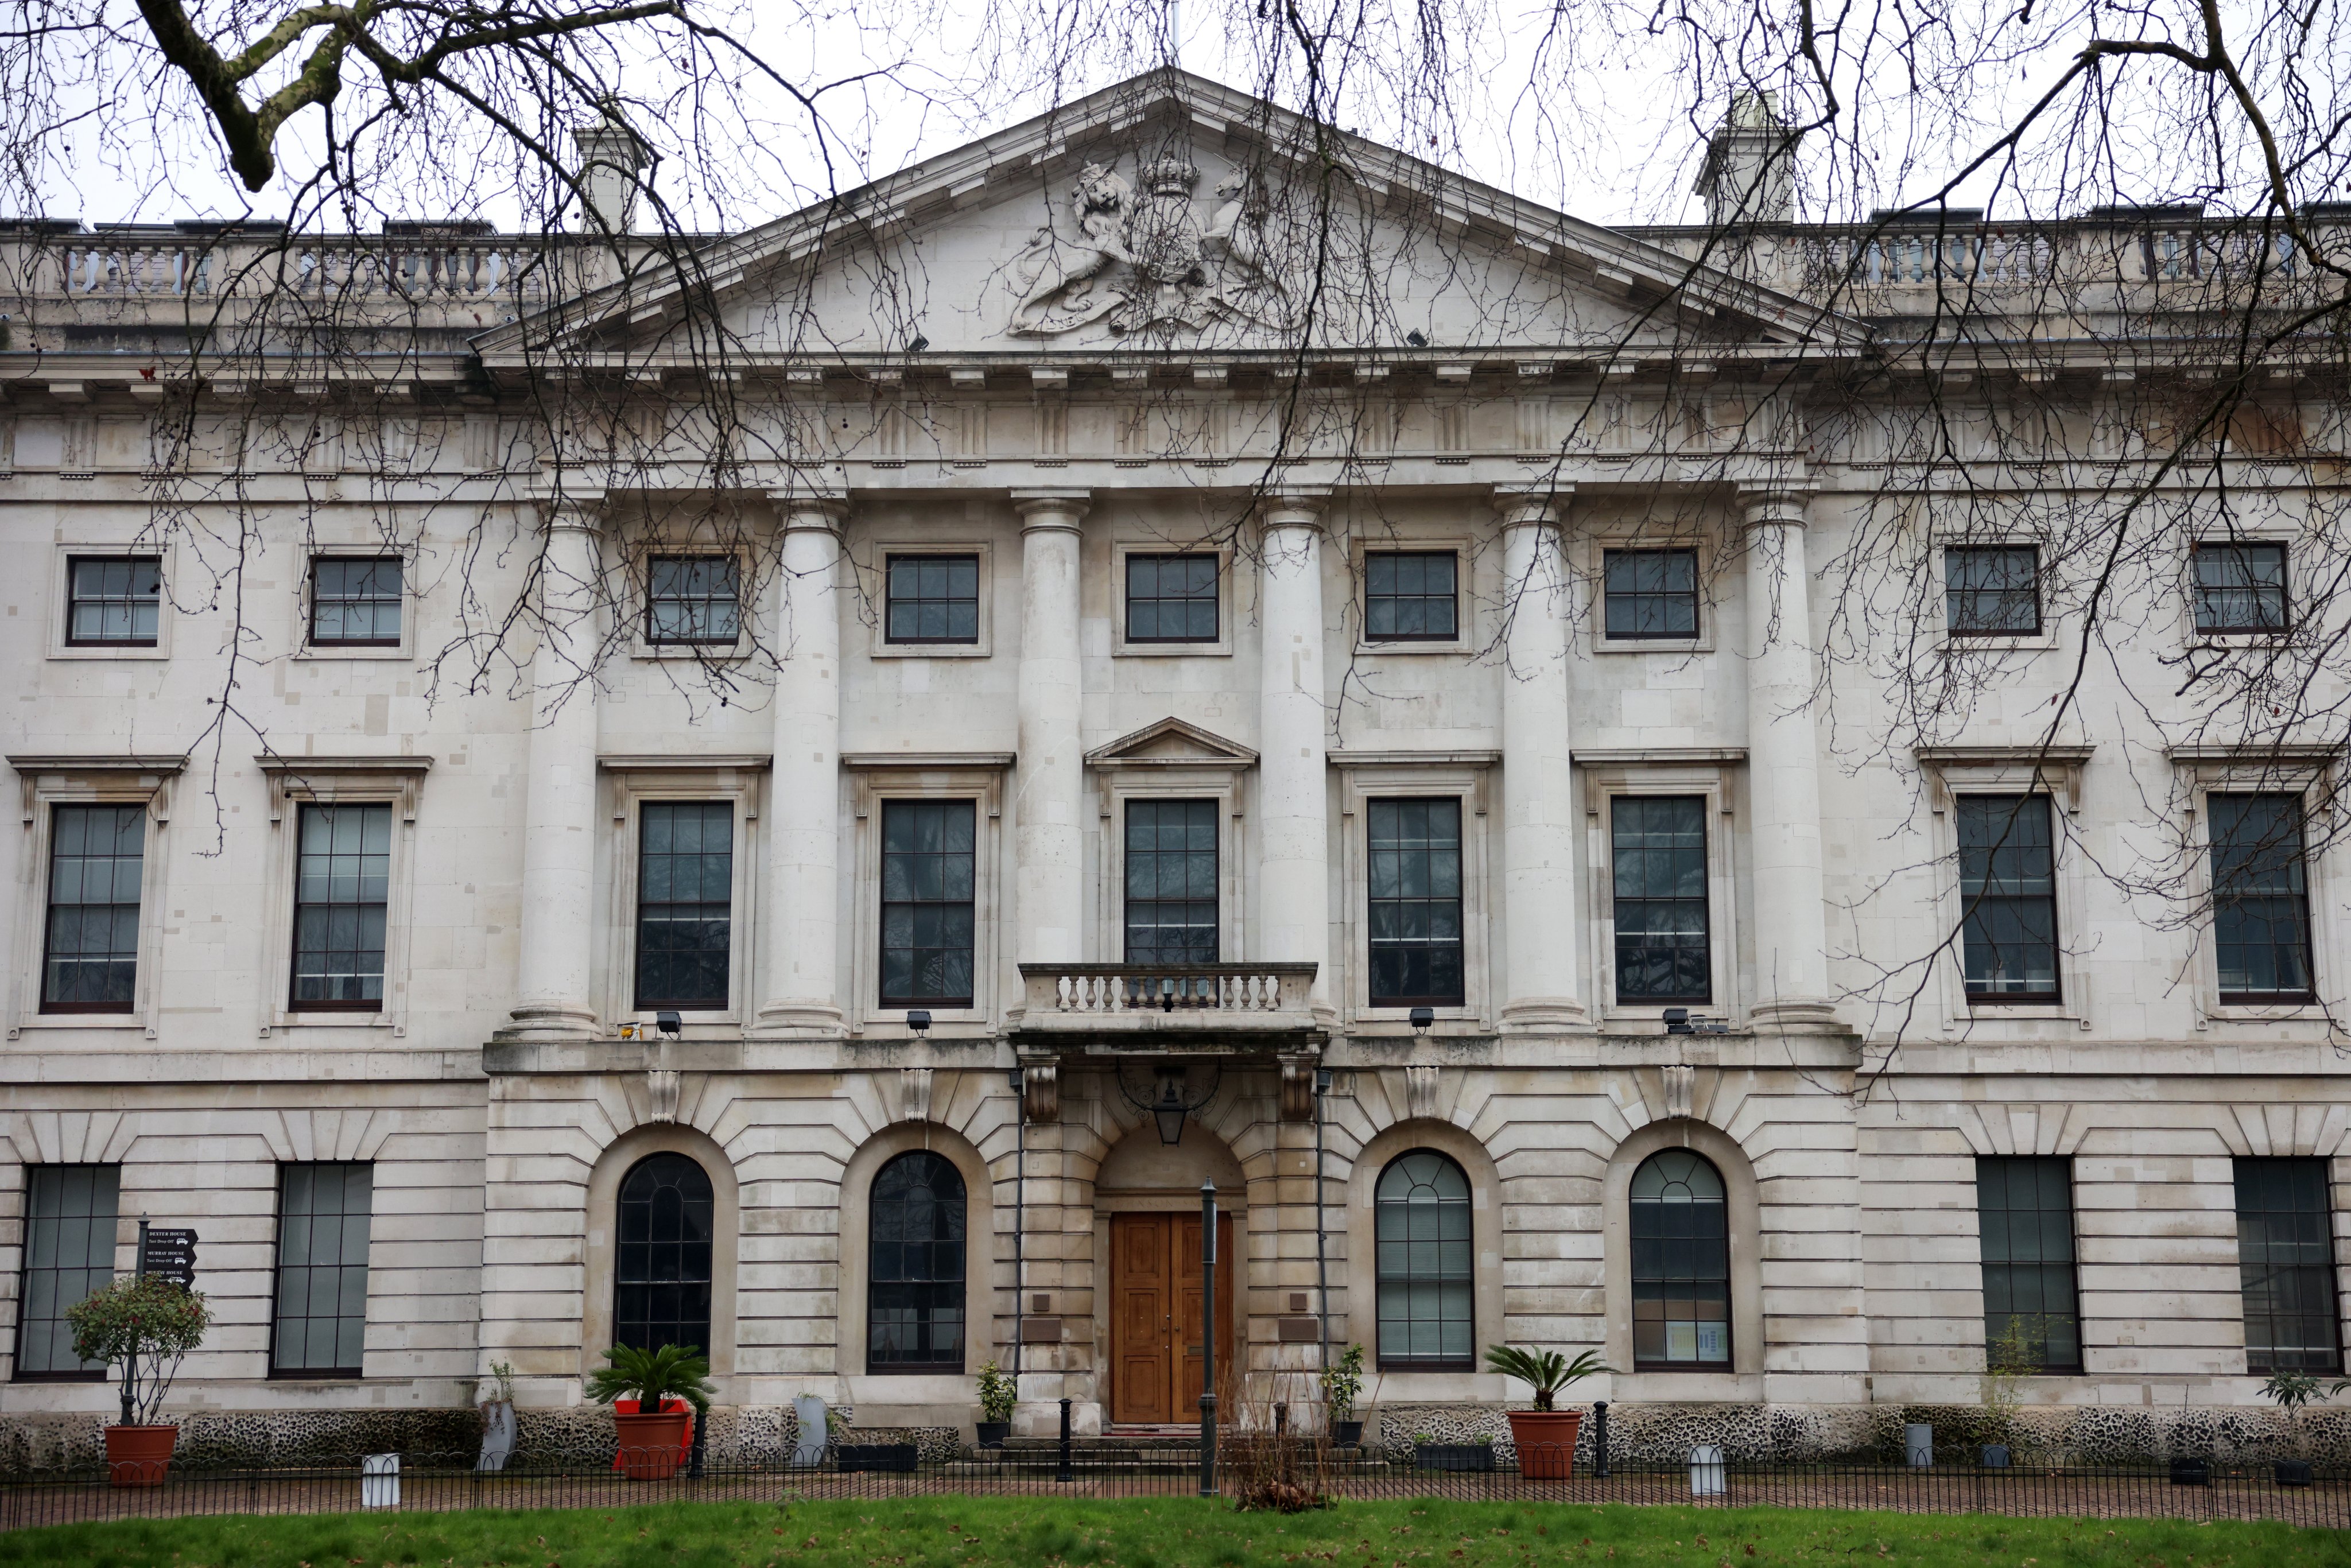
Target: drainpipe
<point>1321,1264</point>
<point>1020,1221</point>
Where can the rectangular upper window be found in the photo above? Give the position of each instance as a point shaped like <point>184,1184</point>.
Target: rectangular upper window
<point>2240,586</point>
<point>1650,593</point>
<point>1410,596</point>
<point>685,903</point>
<point>89,954</point>
<point>1658,844</point>
<point>69,1215</point>
<point>1414,914</point>
<point>928,873</point>
<point>2285,1260</point>
<point>2261,902</point>
<point>355,603</point>
<point>342,890</point>
<point>1171,881</point>
<point>1171,598</point>
<point>933,599</point>
<point>114,602</point>
<point>2024,1208</point>
<point>2008,898</point>
<point>318,1324</point>
<point>1991,591</point>
<point>692,601</point>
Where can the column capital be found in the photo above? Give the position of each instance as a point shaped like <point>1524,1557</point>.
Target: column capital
<point>1522,508</point>
<point>816,511</point>
<point>1783,502</point>
<point>581,509</point>
<point>1296,508</point>
<point>1053,510</point>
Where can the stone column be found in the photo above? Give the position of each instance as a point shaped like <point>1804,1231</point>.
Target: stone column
<point>1783,769</point>
<point>558,855</point>
<point>1293,791</point>
<point>1049,842</point>
<point>1543,901</point>
<point>801,910</point>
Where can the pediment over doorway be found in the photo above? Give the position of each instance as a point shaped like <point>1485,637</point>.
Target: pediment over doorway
<point>1172,743</point>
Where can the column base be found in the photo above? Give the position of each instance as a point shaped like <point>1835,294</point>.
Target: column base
<point>1796,1015</point>
<point>1545,1015</point>
<point>551,1020</point>
<point>798,1020</point>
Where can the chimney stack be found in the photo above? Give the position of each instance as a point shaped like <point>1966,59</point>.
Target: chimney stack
<point>614,161</point>
<point>1749,174</point>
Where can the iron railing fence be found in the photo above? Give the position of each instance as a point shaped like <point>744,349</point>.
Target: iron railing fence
<point>431,1483</point>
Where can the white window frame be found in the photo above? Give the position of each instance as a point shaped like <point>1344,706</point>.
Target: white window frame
<point>2306,773</point>
<point>1222,644</point>
<point>1197,766</point>
<point>878,776</point>
<point>1464,623</point>
<point>878,643</point>
<point>61,584</point>
<point>305,589</point>
<point>1591,544</point>
<point>295,782</point>
<point>629,784</point>
<point>45,782</point>
<point>1967,642</point>
<point>639,556</point>
<point>1368,775</point>
<point>2299,578</point>
<point>1610,776</point>
<point>1951,771</point>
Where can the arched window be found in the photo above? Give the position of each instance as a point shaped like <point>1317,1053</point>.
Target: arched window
<point>913,1283</point>
<point>661,1279</point>
<point>1682,1264</point>
<point>1425,1286</point>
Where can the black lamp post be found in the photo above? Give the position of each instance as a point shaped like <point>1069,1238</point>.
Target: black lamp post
<point>1207,1338</point>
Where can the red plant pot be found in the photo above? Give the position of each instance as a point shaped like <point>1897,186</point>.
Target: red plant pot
<point>140,1455</point>
<point>1546,1442</point>
<point>652,1445</point>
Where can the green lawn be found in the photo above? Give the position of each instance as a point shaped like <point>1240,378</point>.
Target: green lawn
<point>1014,1533</point>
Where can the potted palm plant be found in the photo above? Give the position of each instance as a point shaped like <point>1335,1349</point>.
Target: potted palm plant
<point>1342,1382</point>
<point>997,1395</point>
<point>1544,1437</point>
<point>662,1383</point>
<point>143,1325</point>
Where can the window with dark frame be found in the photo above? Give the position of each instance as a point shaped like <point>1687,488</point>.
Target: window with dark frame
<point>355,603</point>
<point>114,602</point>
<point>1425,1285</point>
<point>1171,881</point>
<point>1649,593</point>
<point>1411,596</point>
<point>667,1221</point>
<point>70,1223</point>
<point>914,1267</point>
<point>2240,586</point>
<point>2286,1262</point>
<point>89,949</point>
<point>2008,898</point>
<point>933,599</point>
<point>2025,1212</point>
<point>929,873</point>
<point>1680,1225</point>
<point>692,601</point>
<point>1991,591</point>
<point>318,1327</point>
<point>342,890</point>
<point>1657,852</point>
<point>686,904</point>
<point>2261,900</point>
<point>1414,914</point>
<point>1171,598</point>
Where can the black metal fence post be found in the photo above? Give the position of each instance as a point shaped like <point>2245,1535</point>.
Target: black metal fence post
<point>1063,1472</point>
<point>1600,1439</point>
<point>1209,1339</point>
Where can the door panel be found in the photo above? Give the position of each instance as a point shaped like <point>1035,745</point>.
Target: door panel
<point>1186,1271</point>
<point>1140,1390</point>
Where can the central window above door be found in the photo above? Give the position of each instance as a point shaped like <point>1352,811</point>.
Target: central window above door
<point>1171,881</point>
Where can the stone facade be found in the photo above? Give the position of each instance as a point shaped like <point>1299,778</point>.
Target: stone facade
<point>1049,431</point>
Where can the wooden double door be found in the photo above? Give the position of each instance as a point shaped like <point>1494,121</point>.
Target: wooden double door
<point>1156,1318</point>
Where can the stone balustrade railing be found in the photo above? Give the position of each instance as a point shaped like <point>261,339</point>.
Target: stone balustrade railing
<point>1139,991</point>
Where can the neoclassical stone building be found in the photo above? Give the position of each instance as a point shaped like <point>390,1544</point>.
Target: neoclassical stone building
<point>1348,699</point>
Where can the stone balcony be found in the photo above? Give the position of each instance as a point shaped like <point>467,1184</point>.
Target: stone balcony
<point>1185,1007</point>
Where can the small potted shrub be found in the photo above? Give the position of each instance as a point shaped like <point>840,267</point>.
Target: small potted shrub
<point>662,1383</point>
<point>1342,1382</point>
<point>143,1325</point>
<point>997,1395</point>
<point>1545,1437</point>
<point>2291,1391</point>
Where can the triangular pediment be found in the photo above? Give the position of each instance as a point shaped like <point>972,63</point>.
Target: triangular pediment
<point>1171,743</point>
<point>1170,213</point>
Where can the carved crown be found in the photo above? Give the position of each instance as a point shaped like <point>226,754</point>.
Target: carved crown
<point>1169,177</point>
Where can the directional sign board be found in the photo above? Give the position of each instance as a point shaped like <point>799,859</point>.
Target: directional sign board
<point>171,1254</point>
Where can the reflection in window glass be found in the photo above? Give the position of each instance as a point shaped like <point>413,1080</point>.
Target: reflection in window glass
<point>2240,586</point>
<point>2025,1210</point>
<point>89,961</point>
<point>692,600</point>
<point>355,603</point>
<point>1426,1285</point>
<point>928,873</point>
<point>1408,597</point>
<point>2260,906</point>
<point>342,890</point>
<point>1171,881</point>
<point>913,1310</point>
<point>2285,1259</point>
<point>685,903</point>
<point>319,1327</point>
<point>1681,1263</point>
<point>1650,592</point>
<point>1993,590</point>
<point>934,599</point>
<point>114,602</point>
<point>69,1215</point>
<point>2008,898</point>
<point>1171,598</point>
<point>661,1274</point>
<point>1659,846</point>
<point>1414,913</point>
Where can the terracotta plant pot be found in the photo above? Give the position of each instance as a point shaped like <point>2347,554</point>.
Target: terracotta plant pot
<point>140,1455</point>
<point>1546,1442</point>
<point>652,1446</point>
